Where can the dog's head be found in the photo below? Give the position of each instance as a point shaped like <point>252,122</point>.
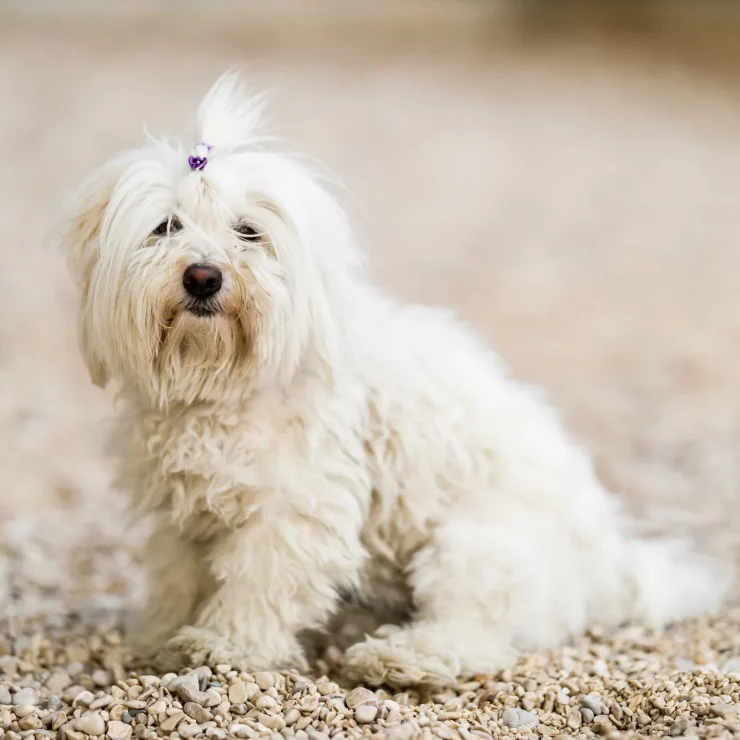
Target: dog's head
<point>208,272</point>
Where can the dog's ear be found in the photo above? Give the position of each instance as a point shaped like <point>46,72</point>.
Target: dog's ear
<point>81,244</point>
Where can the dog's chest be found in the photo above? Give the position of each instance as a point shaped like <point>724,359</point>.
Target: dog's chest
<point>206,472</point>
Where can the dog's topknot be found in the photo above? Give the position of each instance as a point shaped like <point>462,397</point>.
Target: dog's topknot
<point>229,118</point>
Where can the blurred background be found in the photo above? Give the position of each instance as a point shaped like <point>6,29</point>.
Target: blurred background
<point>565,175</point>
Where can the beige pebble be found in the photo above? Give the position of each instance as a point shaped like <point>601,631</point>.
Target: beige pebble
<point>359,696</point>
<point>25,696</point>
<point>118,730</point>
<point>185,730</point>
<point>264,680</point>
<point>265,702</point>
<point>222,709</point>
<point>325,688</point>
<point>30,722</point>
<point>237,692</point>
<point>23,710</point>
<point>90,723</point>
<point>172,722</point>
<point>197,712</point>
<point>274,721</point>
<point>366,713</point>
<point>292,716</point>
<point>57,682</point>
<point>724,710</point>
<point>83,699</point>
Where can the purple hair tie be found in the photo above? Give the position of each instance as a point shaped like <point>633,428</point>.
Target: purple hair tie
<point>199,159</point>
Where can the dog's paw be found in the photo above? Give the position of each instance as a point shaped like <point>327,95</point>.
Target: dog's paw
<point>195,646</point>
<point>192,646</point>
<point>396,662</point>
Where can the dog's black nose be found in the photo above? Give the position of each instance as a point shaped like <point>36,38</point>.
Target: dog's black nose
<point>202,281</point>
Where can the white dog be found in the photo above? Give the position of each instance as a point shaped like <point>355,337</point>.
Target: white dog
<point>299,436</point>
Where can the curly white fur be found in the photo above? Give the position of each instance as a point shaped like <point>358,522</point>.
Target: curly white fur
<point>313,438</point>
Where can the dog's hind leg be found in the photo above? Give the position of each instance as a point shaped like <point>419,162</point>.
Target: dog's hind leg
<point>460,624</point>
<point>482,587</point>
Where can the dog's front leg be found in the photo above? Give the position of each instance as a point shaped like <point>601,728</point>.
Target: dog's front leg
<point>274,578</point>
<point>175,572</point>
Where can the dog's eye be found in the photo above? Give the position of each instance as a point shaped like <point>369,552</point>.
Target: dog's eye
<point>169,226</point>
<point>247,232</point>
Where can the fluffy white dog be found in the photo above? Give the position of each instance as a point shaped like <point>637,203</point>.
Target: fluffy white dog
<point>300,437</point>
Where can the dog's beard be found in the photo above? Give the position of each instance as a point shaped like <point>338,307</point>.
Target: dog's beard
<point>200,348</point>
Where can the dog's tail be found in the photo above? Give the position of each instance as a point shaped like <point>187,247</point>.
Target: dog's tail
<point>668,580</point>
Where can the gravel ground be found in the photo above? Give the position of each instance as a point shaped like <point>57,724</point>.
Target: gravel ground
<point>576,200</point>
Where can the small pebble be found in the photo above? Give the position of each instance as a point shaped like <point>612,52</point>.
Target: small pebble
<point>358,696</point>
<point>84,699</point>
<point>101,677</point>
<point>274,721</point>
<point>57,682</point>
<point>587,715</point>
<point>292,716</point>
<point>90,724</point>
<point>366,713</point>
<point>188,694</point>
<point>25,696</point>
<point>264,680</point>
<point>189,679</point>
<point>172,722</point>
<point>189,731</point>
<point>593,703</point>
<point>237,692</point>
<point>724,710</point>
<point>197,712</point>
<point>213,698</point>
<point>519,718</point>
<point>118,730</point>
<point>23,710</point>
<point>265,702</point>
<point>53,703</point>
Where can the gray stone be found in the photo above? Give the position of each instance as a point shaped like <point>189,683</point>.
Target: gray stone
<point>190,679</point>
<point>187,693</point>
<point>519,718</point>
<point>26,696</point>
<point>593,703</point>
<point>587,715</point>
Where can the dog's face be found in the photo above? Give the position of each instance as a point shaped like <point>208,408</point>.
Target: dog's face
<point>201,284</point>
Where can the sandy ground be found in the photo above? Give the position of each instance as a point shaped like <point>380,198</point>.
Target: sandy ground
<point>575,200</point>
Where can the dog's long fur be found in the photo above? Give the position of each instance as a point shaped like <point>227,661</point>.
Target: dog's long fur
<point>314,438</point>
